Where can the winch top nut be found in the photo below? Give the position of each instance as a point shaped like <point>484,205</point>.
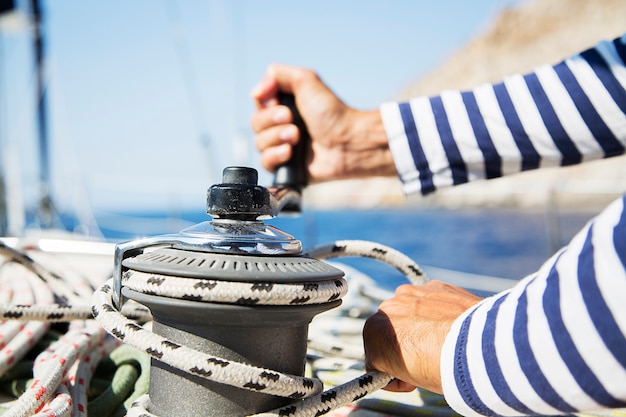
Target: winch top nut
<point>239,196</point>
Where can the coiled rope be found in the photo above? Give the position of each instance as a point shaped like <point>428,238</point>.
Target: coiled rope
<point>32,298</point>
<point>49,392</point>
<point>60,374</point>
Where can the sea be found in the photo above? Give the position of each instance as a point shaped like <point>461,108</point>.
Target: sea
<point>502,243</point>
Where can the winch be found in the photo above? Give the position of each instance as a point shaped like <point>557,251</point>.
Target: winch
<point>175,276</point>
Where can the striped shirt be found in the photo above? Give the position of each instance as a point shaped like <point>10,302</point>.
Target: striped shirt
<point>556,342</point>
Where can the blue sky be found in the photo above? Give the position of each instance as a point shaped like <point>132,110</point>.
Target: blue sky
<point>149,99</point>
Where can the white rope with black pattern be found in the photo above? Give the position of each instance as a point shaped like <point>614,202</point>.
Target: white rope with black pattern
<point>312,402</point>
<point>53,390</point>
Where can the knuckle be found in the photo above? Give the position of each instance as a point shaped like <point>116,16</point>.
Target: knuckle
<point>305,76</point>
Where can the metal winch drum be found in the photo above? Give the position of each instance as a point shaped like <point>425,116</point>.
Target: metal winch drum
<point>235,246</point>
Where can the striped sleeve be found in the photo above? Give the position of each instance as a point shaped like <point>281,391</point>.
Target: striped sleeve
<point>553,344</point>
<point>558,115</point>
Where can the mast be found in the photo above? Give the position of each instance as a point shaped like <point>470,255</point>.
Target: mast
<point>6,7</point>
<point>3,191</point>
<point>45,207</point>
<point>12,213</point>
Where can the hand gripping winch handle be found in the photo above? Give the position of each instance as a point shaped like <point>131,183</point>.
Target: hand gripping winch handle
<point>294,173</point>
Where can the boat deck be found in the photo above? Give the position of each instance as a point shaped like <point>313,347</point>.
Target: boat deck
<point>117,375</point>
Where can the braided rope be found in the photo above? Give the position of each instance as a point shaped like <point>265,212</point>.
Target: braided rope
<point>235,292</point>
<point>79,377</point>
<point>45,312</point>
<point>58,313</point>
<point>52,366</point>
<point>366,249</point>
<point>32,289</point>
<point>333,398</point>
<point>194,362</point>
<point>59,368</point>
<point>224,371</point>
<point>16,338</point>
<point>314,406</point>
<point>54,281</point>
<point>332,349</point>
<point>139,407</point>
<point>60,406</point>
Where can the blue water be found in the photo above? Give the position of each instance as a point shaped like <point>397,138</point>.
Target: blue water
<point>501,243</point>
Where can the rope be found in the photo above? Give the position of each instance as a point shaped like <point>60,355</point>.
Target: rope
<point>235,292</point>
<point>54,281</point>
<point>129,381</point>
<point>236,374</point>
<point>57,387</point>
<point>194,362</point>
<point>60,313</point>
<point>16,338</point>
<point>52,366</point>
<point>61,372</point>
<point>366,249</point>
<point>82,371</point>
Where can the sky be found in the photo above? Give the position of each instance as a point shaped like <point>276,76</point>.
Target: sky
<point>149,100</point>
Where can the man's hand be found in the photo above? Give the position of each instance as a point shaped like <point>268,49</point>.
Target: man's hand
<point>345,143</point>
<point>404,338</point>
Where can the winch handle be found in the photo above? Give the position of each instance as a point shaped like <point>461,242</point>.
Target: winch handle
<point>293,174</point>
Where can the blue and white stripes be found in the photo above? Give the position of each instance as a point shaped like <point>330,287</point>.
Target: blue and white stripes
<point>555,343</point>
<point>564,114</point>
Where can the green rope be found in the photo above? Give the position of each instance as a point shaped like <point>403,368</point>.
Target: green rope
<point>121,378</point>
<point>121,386</point>
<point>130,380</point>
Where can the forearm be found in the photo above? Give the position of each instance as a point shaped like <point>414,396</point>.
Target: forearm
<point>558,115</point>
<point>368,153</point>
<point>555,343</point>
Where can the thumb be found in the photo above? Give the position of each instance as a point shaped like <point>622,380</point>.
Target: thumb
<point>397,385</point>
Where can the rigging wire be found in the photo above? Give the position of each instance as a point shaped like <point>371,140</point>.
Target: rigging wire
<point>190,80</point>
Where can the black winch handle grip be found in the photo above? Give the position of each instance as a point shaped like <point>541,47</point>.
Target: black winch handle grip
<point>294,173</point>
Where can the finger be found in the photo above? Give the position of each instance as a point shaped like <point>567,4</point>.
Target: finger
<point>287,78</point>
<point>409,289</point>
<point>432,287</point>
<point>278,77</point>
<point>276,156</point>
<point>380,343</point>
<point>444,287</point>
<point>397,385</point>
<point>276,136</point>
<point>265,118</point>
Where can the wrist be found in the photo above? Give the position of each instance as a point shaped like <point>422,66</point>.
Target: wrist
<point>367,147</point>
